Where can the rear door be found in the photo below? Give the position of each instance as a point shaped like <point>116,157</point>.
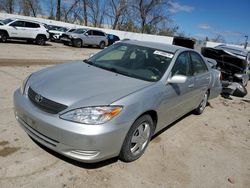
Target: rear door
<point>31,29</point>
<point>17,29</point>
<point>202,77</point>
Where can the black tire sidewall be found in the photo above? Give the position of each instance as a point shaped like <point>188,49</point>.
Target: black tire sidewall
<point>3,36</point>
<point>77,43</point>
<point>125,154</point>
<point>40,40</point>
<point>198,110</point>
<point>102,45</point>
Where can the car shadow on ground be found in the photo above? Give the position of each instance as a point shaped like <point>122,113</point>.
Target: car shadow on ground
<point>11,41</point>
<point>105,162</point>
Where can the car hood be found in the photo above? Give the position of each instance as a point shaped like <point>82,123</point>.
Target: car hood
<point>79,84</point>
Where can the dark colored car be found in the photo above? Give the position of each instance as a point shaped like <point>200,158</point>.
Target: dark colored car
<point>112,39</point>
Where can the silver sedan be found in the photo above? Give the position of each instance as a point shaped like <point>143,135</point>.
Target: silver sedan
<point>114,102</point>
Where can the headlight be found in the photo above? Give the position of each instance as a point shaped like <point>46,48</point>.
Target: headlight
<point>92,115</point>
<point>23,86</point>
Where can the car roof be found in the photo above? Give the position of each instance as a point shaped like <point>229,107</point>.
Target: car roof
<point>25,20</point>
<point>160,46</point>
<point>235,50</point>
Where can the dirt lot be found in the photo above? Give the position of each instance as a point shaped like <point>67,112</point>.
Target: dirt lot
<point>210,150</point>
<point>22,53</point>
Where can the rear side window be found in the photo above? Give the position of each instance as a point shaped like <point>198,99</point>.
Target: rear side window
<point>198,64</point>
<point>31,25</point>
<point>90,32</point>
<point>18,24</point>
<point>98,33</point>
<point>182,65</point>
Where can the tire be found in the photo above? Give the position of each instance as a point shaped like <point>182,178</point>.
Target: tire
<point>199,110</point>
<point>4,37</point>
<point>77,43</point>
<point>40,40</point>
<point>102,45</point>
<point>137,139</point>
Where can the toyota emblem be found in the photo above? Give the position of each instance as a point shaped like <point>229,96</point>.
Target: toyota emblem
<point>38,98</point>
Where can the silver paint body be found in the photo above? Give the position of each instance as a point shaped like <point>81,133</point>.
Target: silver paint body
<point>80,85</point>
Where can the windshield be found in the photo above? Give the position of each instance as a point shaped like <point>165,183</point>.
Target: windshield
<point>79,31</point>
<point>134,61</point>
<point>6,21</point>
<point>63,29</point>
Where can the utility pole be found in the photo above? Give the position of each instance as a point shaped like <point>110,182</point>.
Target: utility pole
<point>245,46</point>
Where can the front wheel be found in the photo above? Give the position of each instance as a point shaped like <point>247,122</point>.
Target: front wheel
<point>202,105</point>
<point>137,139</point>
<point>77,43</point>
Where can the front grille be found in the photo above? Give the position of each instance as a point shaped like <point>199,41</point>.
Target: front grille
<point>45,104</point>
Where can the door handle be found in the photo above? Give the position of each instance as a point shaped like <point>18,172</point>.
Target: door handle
<point>191,85</point>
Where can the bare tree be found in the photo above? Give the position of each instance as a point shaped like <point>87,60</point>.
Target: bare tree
<point>96,12</point>
<point>151,12</point>
<point>67,11</point>
<point>218,38</point>
<point>117,9</point>
<point>7,6</point>
<point>58,10</point>
<point>85,14</point>
<point>30,7</point>
<point>51,7</point>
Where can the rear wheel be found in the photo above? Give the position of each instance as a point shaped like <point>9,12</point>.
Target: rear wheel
<point>102,44</point>
<point>77,43</point>
<point>137,139</point>
<point>3,37</point>
<point>202,105</point>
<point>40,40</point>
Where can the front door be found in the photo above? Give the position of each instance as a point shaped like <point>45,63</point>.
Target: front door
<point>177,98</point>
<point>17,29</point>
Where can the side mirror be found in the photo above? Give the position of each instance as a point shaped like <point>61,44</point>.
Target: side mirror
<point>86,34</point>
<point>177,79</point>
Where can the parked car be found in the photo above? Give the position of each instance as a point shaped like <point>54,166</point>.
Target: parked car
<point>233,63</point>
<point>58,36</point>
<point>81,37</point>
<point>114,102</point>
<point>112,39</point>
<point>23,30</point>
<point>1,23</point>
<point>56,33</point>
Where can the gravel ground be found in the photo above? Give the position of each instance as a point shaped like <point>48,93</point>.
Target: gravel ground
<point>210,150</point>
<point>22,53</point>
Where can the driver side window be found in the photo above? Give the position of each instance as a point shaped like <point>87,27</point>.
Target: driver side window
<point>182,65</point>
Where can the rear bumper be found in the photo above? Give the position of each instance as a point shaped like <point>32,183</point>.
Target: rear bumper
<point>86,143</point>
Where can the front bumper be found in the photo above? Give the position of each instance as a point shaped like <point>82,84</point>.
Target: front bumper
<point>86,143</point>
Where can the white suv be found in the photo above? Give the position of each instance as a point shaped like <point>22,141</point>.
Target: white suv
<point>23,30</point>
